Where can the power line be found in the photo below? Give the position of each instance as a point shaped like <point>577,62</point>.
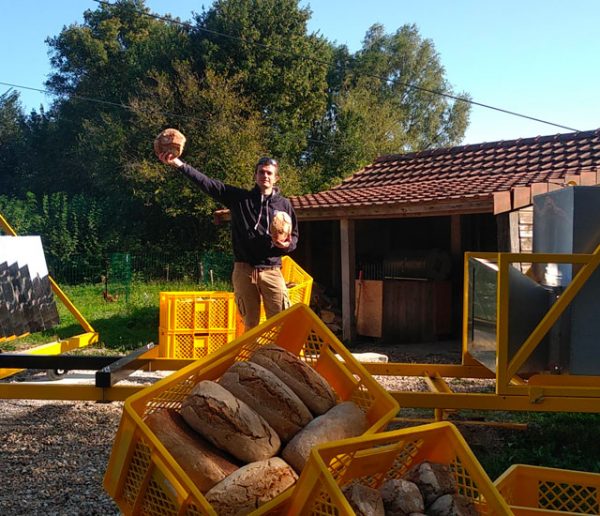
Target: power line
<point>125,106</point>
<point>327,63</point>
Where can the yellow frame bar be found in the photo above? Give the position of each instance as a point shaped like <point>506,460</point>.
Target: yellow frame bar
<point>53,348</point>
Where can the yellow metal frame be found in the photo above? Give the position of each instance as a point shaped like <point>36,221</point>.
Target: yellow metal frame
<point>90,336</point>
<point>540,392</point>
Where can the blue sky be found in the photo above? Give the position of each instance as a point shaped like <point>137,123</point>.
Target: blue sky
<point>536,57</point>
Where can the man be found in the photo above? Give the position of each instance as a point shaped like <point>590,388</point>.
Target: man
<point>257,267</point>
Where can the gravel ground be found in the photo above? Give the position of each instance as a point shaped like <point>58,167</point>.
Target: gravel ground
<point>53,454</point>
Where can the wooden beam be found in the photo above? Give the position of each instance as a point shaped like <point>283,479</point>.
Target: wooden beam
<point>588,178</point>
<point>348,263</point>
<point>502,202</point>
<point>455,237</point>
<point>395,211</point>
<point>538,188</point>
<point>513,223</point>
<point>521,197</point>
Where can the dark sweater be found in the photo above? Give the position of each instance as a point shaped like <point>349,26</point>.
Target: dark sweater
<point>251,214</point>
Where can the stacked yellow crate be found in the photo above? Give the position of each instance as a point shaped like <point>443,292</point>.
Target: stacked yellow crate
<point>195,324</point>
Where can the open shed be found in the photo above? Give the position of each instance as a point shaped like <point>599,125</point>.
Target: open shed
<point>391,237</point>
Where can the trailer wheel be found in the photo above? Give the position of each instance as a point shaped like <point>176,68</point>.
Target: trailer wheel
<point>55,374</point>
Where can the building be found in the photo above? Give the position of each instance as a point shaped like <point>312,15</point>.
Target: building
<point>402,224</point>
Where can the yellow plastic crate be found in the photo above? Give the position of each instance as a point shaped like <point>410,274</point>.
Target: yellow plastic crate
<point>143,478</point>
<point>373,459</point>
<point>201,312</point>
<point>193,324</point>
<point>299,281</point>
<point>299,289</point>
<point>189,344</point>
<point>537,490</point>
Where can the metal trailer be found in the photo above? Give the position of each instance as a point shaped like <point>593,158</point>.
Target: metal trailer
<point>109,370</point>
<point>553,390</point>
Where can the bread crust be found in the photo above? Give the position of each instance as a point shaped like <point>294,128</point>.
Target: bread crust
<point>269,396</point>
<point>307,383</point>
<point>202,462</point>
<point>228,423</point>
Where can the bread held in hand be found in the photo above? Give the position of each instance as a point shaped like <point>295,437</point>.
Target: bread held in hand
<point>281,226</point>
<point>171,141</point>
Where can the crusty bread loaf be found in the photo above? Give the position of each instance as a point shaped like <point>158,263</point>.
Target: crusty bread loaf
<point>229,423</point>
<point>281,226</point>
<point>433,480</point>
<point>342,421</point>
<point>251,486</point>
<point>309,385</point>
<point>264,392</point>
<point>203,463</point>
<point>452,505</point>
<point>170,140</point>
<point>401,497</point>
<point>364,500</point>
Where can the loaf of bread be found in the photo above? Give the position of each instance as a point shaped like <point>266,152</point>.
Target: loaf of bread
<point>203,463</point>
<point>342,421</point>
<point>251,486</point>
<point>229,423</point>
<point>170,140</point>
<point>401,497</point>
<point>264,392</point>
<point>308,385</point>
<point>433,480</point>
<point>452,505</point>
<point>281,226</point>
<point>364,500</point>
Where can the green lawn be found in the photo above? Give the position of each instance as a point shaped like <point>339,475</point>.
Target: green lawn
<point>123,325</point>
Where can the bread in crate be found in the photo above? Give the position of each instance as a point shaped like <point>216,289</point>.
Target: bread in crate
<point>388,463</point>
<point>299,332</point>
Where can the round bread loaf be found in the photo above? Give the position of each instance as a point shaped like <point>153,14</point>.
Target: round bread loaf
<point>229,423</point>
<point>264,392</point>
<point>251,486</point>
<point>308,385</point>
<point>171,141</point>
<point>281,226</point>
<point>364,500</point>
<point>203,463</point>
<point>433,480</point>
<point>452,505</point>
<point>401,497</point>
<point>342,421</point>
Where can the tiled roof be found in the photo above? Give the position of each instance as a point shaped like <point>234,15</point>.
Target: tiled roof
<point>463,173</point>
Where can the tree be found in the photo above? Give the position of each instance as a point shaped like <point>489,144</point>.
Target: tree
<point>283,69</point>
<point>12,142</point>
<point>387,99</point>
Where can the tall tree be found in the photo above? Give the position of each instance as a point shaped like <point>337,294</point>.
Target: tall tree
<point>12,142</point>
<point>389,97</point>
<point>282,68</point>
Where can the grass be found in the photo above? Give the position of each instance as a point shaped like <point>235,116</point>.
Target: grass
<point>122,325</point>
<point>561,440</point>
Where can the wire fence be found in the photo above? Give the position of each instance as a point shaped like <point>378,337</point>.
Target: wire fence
<point>125,267</point>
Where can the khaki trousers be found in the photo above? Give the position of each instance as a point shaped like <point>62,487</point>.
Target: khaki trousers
<point>251,284</point>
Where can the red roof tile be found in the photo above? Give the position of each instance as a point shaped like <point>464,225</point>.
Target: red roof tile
<point>464,172</point>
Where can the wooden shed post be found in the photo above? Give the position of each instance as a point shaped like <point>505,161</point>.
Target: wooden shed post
<point>348,262</point>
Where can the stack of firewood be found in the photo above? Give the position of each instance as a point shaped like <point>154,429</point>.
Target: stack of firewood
<point>327,309</point>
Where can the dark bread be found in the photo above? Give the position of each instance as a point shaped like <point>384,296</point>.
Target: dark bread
<point>203,463</point>
<point>229,423</point>
<point>308,385</point>
<point>251,486</point>
<point>264,392</point>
